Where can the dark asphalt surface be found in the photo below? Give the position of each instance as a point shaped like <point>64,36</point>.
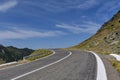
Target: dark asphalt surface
<point>79,66</point>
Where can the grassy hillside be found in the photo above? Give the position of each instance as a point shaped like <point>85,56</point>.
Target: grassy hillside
<point>41,51</point>
<point>39,54</point>
<point>8,54</point>
<point>106,40</point>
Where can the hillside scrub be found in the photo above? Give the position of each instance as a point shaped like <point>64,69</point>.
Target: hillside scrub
<point>106,40</point>
<point>41,53</point>
<point>115,64</point>
<point>10,53</point>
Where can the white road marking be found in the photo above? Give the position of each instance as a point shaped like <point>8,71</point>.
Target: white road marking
<point>116,56</point>
<point>70,53</point>
<point>101,71</point>
<point>29,62</point>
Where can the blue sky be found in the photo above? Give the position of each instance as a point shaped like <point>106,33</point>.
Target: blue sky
<point>52,23</point>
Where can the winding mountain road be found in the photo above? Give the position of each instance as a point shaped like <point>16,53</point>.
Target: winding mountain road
<point>63,65</point>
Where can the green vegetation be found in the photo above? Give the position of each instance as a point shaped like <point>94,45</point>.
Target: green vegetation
<point>39,54</point>
<point>116,64</point>
<point>106,40</point>
<point>42,51</point>
<point>9,54</point>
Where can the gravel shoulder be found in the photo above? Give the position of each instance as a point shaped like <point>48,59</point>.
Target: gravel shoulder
<point>112,74</point>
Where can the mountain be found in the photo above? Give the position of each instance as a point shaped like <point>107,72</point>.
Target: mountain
<point>10,53</point>
<point>107,38</point>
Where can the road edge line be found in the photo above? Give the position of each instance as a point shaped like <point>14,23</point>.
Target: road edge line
<point>70,53</point>
<point>101,71</point>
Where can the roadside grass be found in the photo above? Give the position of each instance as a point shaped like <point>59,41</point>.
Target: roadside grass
<point>116,64</point>
<point>41,53</point>
<point>2,62</point>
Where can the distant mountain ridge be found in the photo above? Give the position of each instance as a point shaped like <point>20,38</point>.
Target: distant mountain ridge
<point>106,40</point>
<point>10,53</point>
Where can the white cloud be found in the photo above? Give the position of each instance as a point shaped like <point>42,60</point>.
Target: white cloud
<point>8,5</point>
<point>23,34</point>
<point>61,5</point>
<point>87,27</point>
<point>108,9</point>
<point>88,4</point>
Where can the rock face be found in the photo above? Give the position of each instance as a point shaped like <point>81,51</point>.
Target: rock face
<point>106,40</point>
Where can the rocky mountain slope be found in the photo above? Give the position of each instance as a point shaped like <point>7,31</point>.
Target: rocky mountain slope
<point>10,53</point>
<point>106,40</point>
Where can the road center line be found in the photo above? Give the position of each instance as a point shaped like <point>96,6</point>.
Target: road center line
<point>70,53</point>
<point>101,71</point>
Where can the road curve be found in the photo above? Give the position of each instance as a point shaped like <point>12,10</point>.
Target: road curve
<point>79,66</point>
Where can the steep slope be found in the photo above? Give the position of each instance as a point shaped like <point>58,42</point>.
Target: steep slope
<point>5,55</point>
<point>106,40</point>
<point>8,54</point>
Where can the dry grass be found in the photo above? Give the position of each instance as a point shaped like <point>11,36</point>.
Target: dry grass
<point>101,41</point>
<point>116,64</point>
<point>23,61</point>
<point>43,52</point>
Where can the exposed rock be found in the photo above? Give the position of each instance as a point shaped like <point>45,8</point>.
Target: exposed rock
<point>106,40</point>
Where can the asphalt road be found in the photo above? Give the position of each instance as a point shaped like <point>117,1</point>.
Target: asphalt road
<point>79,66</point>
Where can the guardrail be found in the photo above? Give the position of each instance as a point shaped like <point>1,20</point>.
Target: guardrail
<point>6,64</point>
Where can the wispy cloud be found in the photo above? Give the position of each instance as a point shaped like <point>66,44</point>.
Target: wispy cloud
<point>61,5</point>
<point>109,6</point>
<point>108,9</point>
<point>8,5</point>
<point>87,27</point>
<point>88,4</point>
<point>24,34</point>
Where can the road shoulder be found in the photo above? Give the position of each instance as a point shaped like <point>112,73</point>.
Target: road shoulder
<point>112,74</point>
